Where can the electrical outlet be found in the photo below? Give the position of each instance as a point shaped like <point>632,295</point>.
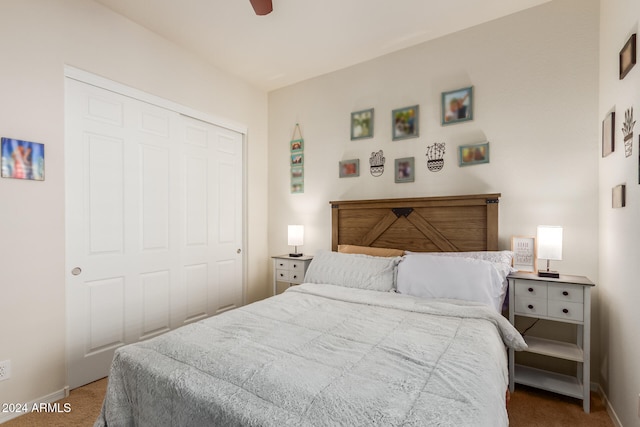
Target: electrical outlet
<point>5,370</point>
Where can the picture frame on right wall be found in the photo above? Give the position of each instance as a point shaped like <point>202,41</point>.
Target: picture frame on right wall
<point>609,134</point>
<point>628,56</point>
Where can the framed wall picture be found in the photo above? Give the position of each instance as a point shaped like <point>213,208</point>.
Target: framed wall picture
<point>297,159</point>
<point>362,124</point>
<point>405,170</point>
<point>628,56</point>
<point>618,196</point>
<point>457,106</point>
<point>473,154</point>
<point>405,122</point>
<point>22,159</point>
<point>297,187</point>
<point>349,168</point>
<point>297,146</point>
<point>609,134</point>
<point>297,172</point>
<point>525,253</point>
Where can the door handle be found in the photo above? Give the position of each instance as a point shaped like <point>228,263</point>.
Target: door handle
<point>238,251</point>
<point>76,271</point>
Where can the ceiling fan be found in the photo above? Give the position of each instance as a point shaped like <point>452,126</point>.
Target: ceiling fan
<point>262,7</point>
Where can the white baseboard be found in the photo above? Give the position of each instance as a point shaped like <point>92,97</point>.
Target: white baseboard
<point>610,411</point>
<point>50,398</point>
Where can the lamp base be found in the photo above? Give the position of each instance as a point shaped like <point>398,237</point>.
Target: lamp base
<point>296,255</point>
<point>549,273</point>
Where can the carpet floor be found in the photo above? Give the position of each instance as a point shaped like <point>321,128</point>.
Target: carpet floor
<point>528,408</point>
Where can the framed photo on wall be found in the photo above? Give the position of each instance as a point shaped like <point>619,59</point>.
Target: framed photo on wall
<point>405,122</point>
<point>628,56</point>
<point>405,170</point>
<point>457,106</point>
<point>349,168</point>
<point>609,134</point>
<point>525,257</point>
<point>473,154</point>
<point>362,124</point>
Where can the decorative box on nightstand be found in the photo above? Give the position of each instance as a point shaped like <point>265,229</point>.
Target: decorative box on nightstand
<point>568,300</point>
<point>288,269</point>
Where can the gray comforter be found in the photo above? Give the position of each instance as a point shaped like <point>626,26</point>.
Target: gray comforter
<point>320,355</point>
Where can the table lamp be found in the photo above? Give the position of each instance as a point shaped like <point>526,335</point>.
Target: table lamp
<point>549,247</point>
<point>296,238</point>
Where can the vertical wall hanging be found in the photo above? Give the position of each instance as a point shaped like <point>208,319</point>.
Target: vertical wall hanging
<point>627,131</point>
<point>376,162</point>
<point>435,156</point>
<point>297,161</point>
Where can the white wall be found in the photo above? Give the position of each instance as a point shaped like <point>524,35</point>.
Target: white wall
<point>619,228</point>
<point>37,39</point>
<point>535,77</point>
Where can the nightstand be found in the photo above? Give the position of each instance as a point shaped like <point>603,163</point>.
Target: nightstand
<point>568,300</point>
<point>289,269</point>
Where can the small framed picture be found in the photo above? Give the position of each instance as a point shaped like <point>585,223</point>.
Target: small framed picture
<point>405,122</point>
<point>297,172</point>
<point>22,159</point>
<point>297,187</point>
<point>609,134</point>
<point>297,159</point>
<point>457,106</point>
<point>362,124</point>
<point>525,253</point>
<point>297,146</point>
<point>349,168</point>
<point>628,56</point>
<point>404,170</point>
<point>473,154</point>
<point>618,196</point>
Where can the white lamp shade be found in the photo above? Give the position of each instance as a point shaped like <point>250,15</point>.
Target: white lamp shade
<point>550,242</point>
<point>296,235</point>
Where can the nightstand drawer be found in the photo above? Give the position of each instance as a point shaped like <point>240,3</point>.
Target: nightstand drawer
<point>531,306</point>
<point>283,275</point>
<point>291,276</point>
<point>290,264</point>
<point>565,292</point>
<point>530,289</point>
<point>566,310</point>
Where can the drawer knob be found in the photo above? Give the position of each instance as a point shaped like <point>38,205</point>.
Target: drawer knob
<point>565,293</point>
<point>530,307</point>
<point>565,310</point>
<point>530,289</point>
<point>281,275</point>
<point>295,277</point>
<point>295,265</point>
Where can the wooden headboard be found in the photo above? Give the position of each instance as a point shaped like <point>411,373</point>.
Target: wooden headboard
<point>426,224</point>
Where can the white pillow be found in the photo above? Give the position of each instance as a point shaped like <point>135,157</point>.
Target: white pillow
<point>429,276</point>
<point>353,270</point>
<point>502,260</point>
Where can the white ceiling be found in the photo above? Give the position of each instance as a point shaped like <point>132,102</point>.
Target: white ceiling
<point>301,39</point>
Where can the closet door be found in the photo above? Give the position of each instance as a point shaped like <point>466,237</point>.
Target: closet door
<point>151,220</point>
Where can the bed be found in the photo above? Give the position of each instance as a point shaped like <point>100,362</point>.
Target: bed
<point>344,348</point>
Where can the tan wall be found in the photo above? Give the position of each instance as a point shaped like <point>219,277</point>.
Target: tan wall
<point>535,77</point>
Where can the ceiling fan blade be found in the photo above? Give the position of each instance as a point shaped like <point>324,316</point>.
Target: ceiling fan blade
<point>262,7</point>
